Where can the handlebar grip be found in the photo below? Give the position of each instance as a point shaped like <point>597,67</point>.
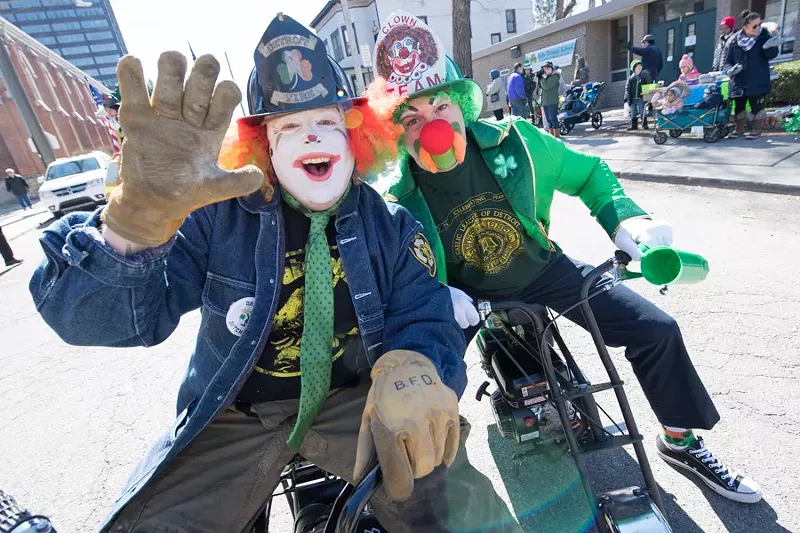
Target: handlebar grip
<point>622,257</point>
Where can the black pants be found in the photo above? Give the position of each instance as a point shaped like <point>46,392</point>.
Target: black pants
<point>5,249</point>
<point>757,105</point>
<point>653,341</point>
<point>498,114</point>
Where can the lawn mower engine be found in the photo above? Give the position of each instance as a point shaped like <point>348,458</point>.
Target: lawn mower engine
<point>519,401</point>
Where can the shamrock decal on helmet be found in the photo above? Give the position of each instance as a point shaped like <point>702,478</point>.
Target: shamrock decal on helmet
<point>294,67</point>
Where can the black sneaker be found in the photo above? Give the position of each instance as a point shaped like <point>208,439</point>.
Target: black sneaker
<point>698,459</point>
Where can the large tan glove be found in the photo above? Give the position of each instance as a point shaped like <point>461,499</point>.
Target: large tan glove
<point>411,420</point>
<point>169,155</point>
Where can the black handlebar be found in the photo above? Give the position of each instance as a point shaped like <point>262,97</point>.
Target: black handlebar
<point>351,502</point>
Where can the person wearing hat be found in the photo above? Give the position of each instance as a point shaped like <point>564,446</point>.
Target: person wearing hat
<point>550,82</point>
<point>313,338</point>
<point>727,29</point>
<point>633,94</point>
<point>483,191</point>
<point>652,58</point>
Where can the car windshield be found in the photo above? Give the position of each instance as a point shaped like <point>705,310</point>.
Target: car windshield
<point>69,168</point>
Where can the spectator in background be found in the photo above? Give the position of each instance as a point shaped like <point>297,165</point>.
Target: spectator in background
<point>633,94</point>
<point>5,251</point>
<point>530,90</point>
<point>17,185</point>
<point>652,59</point>
<point>747,65</point>
<point>581,73</point>
<point>550,82</point>
<point>726,30</point>
<point>516,92</point>
<point>496,92</point>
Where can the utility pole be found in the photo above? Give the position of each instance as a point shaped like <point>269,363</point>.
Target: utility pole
<point>351,45</point>
<point>24,106</point>
<point>244,113</point>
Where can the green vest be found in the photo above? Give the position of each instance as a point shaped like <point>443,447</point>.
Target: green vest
<point>529,166</point>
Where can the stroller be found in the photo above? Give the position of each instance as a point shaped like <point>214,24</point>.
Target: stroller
<point>579,106</point>
<point>704,111</point>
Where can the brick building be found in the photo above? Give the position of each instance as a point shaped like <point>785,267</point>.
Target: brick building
<point>60,96</point>
<point>600,36</point>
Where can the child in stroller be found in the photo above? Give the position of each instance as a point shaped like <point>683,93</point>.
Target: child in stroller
<point>579,106</point>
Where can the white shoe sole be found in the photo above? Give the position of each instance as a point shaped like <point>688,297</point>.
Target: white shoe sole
<point>741,497</point>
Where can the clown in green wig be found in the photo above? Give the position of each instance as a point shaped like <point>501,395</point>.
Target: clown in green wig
<point>482,189</point>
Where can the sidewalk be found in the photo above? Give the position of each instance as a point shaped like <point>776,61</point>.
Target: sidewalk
<point>769,164</point>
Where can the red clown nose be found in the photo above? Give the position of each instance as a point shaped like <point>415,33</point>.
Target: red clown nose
<point>437,137</point>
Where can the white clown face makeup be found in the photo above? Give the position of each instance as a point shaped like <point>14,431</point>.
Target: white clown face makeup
<point>310,155</point>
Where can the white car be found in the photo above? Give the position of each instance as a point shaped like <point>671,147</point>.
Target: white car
<point>74,183</point>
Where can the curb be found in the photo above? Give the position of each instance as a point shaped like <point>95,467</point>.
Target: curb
<point>741,185</point>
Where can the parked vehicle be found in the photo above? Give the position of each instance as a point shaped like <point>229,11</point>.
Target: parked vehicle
<point>74,183</point>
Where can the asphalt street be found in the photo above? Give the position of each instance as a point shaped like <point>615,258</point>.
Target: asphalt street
<point>75,420</point>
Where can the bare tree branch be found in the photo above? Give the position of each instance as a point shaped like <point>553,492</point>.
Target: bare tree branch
<point>568,10</point>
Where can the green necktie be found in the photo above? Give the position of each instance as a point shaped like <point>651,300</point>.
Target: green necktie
<point>316,344</point>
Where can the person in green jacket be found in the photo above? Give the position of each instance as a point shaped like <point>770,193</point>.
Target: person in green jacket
<point>482,191</point>
<point>550,81</point>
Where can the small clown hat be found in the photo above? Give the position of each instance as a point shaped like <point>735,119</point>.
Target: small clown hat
<point>411,58</point>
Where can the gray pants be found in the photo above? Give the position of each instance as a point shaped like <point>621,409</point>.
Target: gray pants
<point>221,480</point>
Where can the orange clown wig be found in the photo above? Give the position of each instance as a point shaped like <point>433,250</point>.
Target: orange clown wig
<point>373,143</point>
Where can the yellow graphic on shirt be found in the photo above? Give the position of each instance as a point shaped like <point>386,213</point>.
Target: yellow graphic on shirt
<point>287,328</point>
<point>488,240</point>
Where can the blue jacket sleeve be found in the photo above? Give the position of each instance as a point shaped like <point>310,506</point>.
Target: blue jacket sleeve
<point>91,296</point>
<point>419,315</point>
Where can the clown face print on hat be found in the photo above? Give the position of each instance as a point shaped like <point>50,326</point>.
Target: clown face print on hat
<point>408,55</point>
<point>311,156</point>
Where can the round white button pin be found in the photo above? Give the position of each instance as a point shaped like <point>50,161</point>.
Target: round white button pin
<point>239,315</point>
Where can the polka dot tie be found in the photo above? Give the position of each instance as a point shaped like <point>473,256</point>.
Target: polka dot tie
<point>315,345</point>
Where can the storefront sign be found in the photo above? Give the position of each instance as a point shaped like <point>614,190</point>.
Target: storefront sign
<point>560,54</point>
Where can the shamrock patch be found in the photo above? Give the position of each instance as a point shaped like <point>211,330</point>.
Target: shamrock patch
<point>504,165</point>
<point>294,67</point>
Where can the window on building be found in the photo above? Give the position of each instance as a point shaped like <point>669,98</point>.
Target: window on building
<point>346,38</point>
<point>36,28</point>
<point>99,36</point>
<point>107,47</point>
<point>81,62</point>
<point>75,50</point>
<point>10,17</point>
<point>47,41</point>
<point>496,38</point>
<point>338,55</point>
<point>784,12</point>
<point>71,38</point>
<point>664,10</point>
<point>91,12</point>
<point>621,35</point>
<point>22,4</point>
<point>33,15</point>
<point>107,71</point>
<point>91,71</point>
<point>511,21</point>
<point>61,14</point>
<point>97,23</point>
<point>423,18</point>
<point>108,58</point>
<point>63,26</point>
<point>52,87</point>
<point>670,45</point>
<point>368,77</point>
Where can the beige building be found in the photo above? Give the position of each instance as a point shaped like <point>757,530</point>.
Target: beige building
<point>600,36</point>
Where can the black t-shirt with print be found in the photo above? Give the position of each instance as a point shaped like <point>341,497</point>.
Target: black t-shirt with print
<point>277,374</point>
<point>485,244</point>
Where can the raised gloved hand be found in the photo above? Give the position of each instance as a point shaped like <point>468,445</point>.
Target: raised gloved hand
<point>464,308</point>
<point>774,41</point>
<point>169,157</point>
<point>734,70</point>
<point>635,231</point>
<point>410,420</point>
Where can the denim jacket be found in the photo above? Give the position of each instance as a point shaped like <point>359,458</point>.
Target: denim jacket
<point>223,253</point>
